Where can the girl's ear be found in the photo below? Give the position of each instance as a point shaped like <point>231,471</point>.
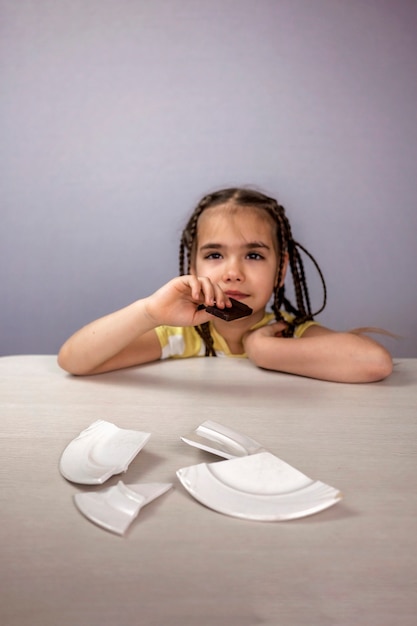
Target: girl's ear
<point>284,271</point>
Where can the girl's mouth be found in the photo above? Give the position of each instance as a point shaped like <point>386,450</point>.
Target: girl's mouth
<point>237,295</point>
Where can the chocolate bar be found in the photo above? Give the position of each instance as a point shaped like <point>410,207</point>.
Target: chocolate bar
<point>237,310</point>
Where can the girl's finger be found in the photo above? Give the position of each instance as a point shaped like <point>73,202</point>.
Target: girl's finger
<point>206,291</point>
<point>220,297</point>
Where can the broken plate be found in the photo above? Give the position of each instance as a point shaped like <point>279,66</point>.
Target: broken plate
<point>115,508</point>
<point>222,440</point>
<point>257,487</point>
<point>100,451</point>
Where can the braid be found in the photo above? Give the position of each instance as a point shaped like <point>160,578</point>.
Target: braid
<point>301,310</point>
<point>205,334</point>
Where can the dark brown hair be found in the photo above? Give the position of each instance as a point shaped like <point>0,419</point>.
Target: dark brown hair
<point>301,310</point>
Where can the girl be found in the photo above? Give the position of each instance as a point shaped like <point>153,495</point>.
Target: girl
<point>237,244</point>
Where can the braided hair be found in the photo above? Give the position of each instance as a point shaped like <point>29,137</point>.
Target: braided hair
<point>285,243</point>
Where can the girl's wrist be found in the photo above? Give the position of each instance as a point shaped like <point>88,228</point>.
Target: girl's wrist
<point>147,314</point>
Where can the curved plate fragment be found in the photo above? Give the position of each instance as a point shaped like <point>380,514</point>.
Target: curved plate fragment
<point>100,451</point>
<point>257,487</point>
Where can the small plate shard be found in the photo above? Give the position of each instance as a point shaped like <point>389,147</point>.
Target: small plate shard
<point>222,440</point>
<point>115,508</point>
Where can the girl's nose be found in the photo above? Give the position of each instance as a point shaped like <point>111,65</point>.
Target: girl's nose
<point>232,272</point>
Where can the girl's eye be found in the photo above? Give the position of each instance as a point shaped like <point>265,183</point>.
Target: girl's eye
<point>213,255</point>
<point>255,256</point>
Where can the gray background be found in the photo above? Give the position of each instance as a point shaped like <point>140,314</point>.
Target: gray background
<point>118,115</point>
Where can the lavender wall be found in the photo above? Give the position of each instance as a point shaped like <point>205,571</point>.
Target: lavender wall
<point>117,115</point>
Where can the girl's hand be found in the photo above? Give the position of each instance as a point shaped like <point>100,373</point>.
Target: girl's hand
<point>176,303</point>
<point>252,337</point>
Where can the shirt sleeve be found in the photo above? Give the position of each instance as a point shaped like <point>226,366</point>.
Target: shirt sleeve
<point>301,329</point>
<point>180,343</point>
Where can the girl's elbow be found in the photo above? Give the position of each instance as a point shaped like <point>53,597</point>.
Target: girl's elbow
<point>380,367</point>
<point>65,362</point>
<point>62,360</point>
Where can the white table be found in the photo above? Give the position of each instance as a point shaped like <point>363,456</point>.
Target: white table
<point>181,563</point>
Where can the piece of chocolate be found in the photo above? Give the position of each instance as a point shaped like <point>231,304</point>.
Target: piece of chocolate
<point>237,310</point>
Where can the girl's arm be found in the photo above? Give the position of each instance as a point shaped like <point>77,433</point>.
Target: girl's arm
<point>320,353</point>
<point>127,337</point>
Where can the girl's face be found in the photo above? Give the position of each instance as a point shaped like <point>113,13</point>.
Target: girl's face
<point>236,248</point>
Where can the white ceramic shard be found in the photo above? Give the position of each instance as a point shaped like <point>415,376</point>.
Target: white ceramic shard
<point>115,508</point>
<point>222,440</point>
<point>257,487</point>
<point>100,451</point>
